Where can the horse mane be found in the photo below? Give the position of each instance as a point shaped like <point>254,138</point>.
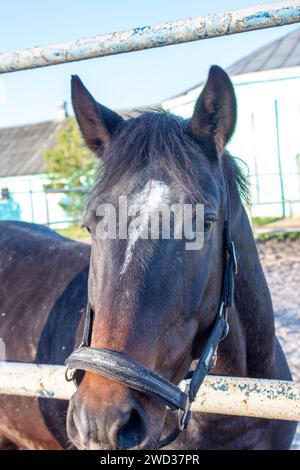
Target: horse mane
<point>160,139</point>
<point>237,171</point>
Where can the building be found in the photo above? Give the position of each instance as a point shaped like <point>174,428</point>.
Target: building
<point>267,138</point>
<point>23,172</point>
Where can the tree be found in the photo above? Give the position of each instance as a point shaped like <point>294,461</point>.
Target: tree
<point>70,164</point>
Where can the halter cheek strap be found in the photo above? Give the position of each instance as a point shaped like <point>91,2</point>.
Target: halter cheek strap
<point>127,371</point>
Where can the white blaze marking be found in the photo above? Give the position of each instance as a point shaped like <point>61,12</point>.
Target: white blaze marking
<point>148,200</point>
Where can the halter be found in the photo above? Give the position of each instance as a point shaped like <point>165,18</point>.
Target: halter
<point>127,371</point>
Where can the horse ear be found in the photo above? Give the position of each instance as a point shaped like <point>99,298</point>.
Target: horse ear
<point>96,122</point>
<point>215,111</point>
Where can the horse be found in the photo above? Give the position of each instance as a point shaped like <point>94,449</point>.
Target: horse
<point>152,299</point>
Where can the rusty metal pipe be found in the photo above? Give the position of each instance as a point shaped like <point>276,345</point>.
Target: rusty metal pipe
<point>147,37</point>
<point>261,398</point>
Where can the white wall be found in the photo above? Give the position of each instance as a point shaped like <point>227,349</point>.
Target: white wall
<point>255,139</point>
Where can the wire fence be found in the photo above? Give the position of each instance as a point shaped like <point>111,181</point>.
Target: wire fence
<point>52,207</point>
<point>45,206</point>
<point>275,194</point>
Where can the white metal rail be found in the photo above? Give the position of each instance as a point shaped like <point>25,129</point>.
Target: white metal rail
<point>147,37</point>
<point>275,399</point>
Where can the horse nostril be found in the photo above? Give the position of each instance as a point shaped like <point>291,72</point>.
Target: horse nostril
<point>133,432</point>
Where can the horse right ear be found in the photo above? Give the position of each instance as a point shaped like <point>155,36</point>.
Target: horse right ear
<point>96,122</point>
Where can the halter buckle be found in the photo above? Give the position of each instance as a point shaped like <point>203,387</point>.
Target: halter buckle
<point>224,311</point>
<point>184,415</point>
<point>213,361</point>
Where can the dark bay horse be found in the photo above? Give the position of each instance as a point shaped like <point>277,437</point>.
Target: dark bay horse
<point>152,299</point>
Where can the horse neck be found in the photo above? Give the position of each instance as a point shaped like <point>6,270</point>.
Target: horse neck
<point>253,305</point>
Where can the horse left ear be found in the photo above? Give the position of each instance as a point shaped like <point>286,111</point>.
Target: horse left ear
<point>215,111</point>
<point>96,122</point>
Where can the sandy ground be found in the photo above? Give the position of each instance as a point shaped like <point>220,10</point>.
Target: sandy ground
<point>281,263</point>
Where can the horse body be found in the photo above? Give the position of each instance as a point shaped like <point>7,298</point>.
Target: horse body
<point>43,290</point>
<point>153,300</point>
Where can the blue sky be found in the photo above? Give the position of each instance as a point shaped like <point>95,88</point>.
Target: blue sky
<point>122,81</point>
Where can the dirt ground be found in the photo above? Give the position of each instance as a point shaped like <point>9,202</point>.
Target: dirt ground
<point>281,263</point>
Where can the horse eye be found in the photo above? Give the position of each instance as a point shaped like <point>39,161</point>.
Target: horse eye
<point>88,228</point>
<point>207,225</point>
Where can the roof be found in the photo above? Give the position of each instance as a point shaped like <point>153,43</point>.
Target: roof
<point>282,53</point>
<point>22,148</point>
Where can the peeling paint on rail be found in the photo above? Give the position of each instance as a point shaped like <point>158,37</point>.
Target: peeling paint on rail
<point>147,37</point>
<point>274,399</point>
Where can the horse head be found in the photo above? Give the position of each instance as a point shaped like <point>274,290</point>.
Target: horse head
<point>154,298</point>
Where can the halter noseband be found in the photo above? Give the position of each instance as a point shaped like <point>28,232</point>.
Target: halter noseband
<point>129,372</point>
